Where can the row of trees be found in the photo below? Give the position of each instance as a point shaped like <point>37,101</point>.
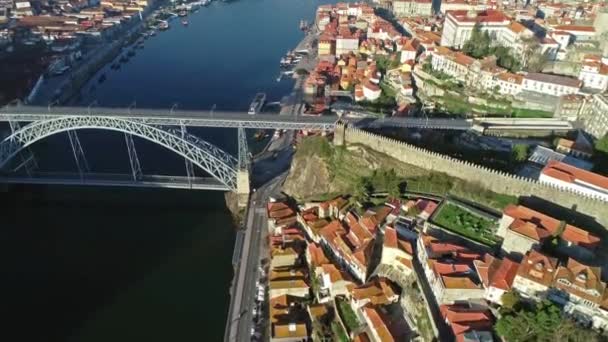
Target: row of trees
<point>379,181</point>
<point>480,45</point>
<point>542,321</point>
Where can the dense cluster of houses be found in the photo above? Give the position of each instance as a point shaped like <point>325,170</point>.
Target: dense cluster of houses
<point>560,31</point>
<point>351,41</point>
<point>334,254</point>
<point>64,20</point>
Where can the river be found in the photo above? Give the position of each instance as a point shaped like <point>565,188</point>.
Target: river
<point>93,264</point>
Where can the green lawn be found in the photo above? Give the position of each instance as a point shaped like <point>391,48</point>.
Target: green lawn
<point>531,113</point>
<point>465,223</point>
<point>348,315</point>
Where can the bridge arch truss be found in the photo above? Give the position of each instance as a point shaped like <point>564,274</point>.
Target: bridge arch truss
<point>219,164</point>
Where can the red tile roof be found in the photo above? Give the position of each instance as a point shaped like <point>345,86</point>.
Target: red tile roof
<point>539,226</point>
<point>463,319</point>
<point>495,272</point>
<point>537,267</point>
<point>570,174</point>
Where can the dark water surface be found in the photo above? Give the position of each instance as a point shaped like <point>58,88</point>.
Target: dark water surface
<point>104,264</point>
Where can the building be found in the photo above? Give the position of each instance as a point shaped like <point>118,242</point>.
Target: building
<point>568,177</point>
<point>332,282</point>
<point>412,8</point>
<point>508,83</point>
<point>371,91</point>
<point>462,5</point>
<point>594,116</point>
<point>379,291</point>
<point>326,45</point>
<point>459,24</point>
<point>280,215</point>
<point>397,256</point>
<point>453,63</point>
<point>449,270</point>
<point>377,326</point>
<point>523,229</point>
<point>346,42</point>
<point>579,33</point>
<point>468,323</point>
<point>579,289</point>
<point>594,74</point>
<point>288,319</point>
<point>580,148</point>
<point>551,84</point>
<point>569,107</point>
<point>497,276</point>
<point>535,275</point>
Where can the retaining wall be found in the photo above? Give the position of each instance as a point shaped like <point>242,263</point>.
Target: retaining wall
<point>497,181</point>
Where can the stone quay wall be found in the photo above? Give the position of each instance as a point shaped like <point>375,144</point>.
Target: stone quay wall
<point>497,181</point>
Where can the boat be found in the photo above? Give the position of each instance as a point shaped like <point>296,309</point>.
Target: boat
<point>257,103</point>
<point>206,2</point>
<point>182,13</point>
<point>184,22</point>
<point>163,25</point>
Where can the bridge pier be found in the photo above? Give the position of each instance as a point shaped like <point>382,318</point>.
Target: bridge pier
<point>242,187</point>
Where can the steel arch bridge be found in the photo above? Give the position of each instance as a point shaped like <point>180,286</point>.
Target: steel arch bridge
<point>219,164</point>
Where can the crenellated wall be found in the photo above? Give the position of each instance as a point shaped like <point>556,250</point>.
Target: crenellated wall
<point>497,181</point>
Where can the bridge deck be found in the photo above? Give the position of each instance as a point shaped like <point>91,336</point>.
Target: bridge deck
<point>121,180</point>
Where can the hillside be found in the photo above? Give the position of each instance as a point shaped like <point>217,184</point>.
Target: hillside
<point>320,170</point>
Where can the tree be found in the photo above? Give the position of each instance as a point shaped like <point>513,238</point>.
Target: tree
<point>363,189</point>
<point>541,322</point>
<point>302,72</point>
<point>601,145</point>
<point>519,152</point>
<point>510,300</point>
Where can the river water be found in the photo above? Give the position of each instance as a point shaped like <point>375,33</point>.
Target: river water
<point>102,264</point>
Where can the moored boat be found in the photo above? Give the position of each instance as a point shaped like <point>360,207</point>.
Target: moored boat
<point>257,103</point>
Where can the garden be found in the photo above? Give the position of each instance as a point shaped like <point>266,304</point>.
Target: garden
<point>459,220</point>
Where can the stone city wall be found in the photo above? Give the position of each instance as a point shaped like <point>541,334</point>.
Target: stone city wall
<point>497,181</point>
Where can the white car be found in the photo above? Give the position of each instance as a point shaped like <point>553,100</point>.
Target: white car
<point>252,331</point>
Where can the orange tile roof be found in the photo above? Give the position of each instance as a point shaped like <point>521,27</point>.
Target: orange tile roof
<point>539,226</point>
<point>335,274</point>
<point>495,272</point>
<point>579,279</point>
<point>463,319</point>
<point>379,291</point>
<point>460,282</point>
<point>391,240</point>
<point>571,174</point>
<point>537,267</point>
<point>317,255</point>
<point>578,28</point>
<point>377,324</point>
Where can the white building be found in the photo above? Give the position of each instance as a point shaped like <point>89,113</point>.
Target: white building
<point>462,5</point>
<point>594,116</point>
<point>551,84</point>
<point>453,63</point>
<point>572,178</point>
<point>458,26</point>
<point>508,83</point>
<point>594,74</point>
<point>412,8</point>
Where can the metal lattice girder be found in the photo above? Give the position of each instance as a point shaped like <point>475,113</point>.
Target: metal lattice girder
<point>28,160</point>
<point>218,166</point>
